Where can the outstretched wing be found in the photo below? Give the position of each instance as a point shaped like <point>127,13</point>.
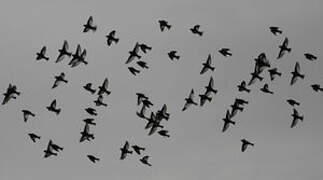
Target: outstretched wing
<point>105,83</point>
<point>211,82</point>
<point>297,68</point>
<point>191,96</point>
<point>285,43</point>
<point>204,69</point>
<point>43,51</point>
<point>78,50</point>
<point>90,21</point>
<point>53,104</point>
<point>65,46</point>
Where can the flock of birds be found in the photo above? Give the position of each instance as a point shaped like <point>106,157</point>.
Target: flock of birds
<point>153,122</point>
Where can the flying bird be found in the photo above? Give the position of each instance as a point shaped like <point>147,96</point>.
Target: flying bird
<point>88,87</point>
<point>265,89</point>
<point>41,54</point>
<point>33,137</point>
<point>133,70</point>
<point>138,149</point>
<point>26,114</point>
<point>296,118</point>
<point>111,38</point>
<point>10,93</point>
<point>163,133</point>
<point>225,52</point>
<point>80,60</point>
<point>140,97</point>
<point>207,65</point>
<point>292,102</point>
<point>164,25</point>
<point>63,52</point>
<point>235,108</point>
<point>52,107</point>
<point>89,25</point>
<point>273,73</point>
<point>310,57</point>
<point>91,111</point>
<point>125,150</point>
<point>145,48</point>
<point>76,56</point>
<point>155,125</point>
<point>142,64</point>
<point>275,30</point>
<point>196,30</point>
<point>99,101</point>
<point>59,79</point>
<point>189,100</point>
<point>133,54</point>
<point>209,87</point>
<point>49,151</point>
<point>261,63</point>
<point>204,97</point>
<point>284,48</point>
<point>144,160</point>
<point>86,135</point>
<point>227,121</point>
<point>103,89</point>
<point>242,87</point>
<point>296,74</point>
<point>162,114</point>
<point>93,158</point>
<point>172,55</point>
<point>254,76</point>
<point>245,144</point>
<point>316,87</point>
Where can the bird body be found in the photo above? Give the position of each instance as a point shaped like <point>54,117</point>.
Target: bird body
<point>245,144</point>
<point>89,25</point>
<point>52,107</point>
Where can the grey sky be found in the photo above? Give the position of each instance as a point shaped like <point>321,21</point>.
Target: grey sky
<point>197,149</point>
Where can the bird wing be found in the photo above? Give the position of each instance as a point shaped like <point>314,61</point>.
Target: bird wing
<point>164,109</point>
<point>56,83</point>
<point>153,129</point>
<point>83,55</point>
<point>281,53</point>
<point>293,80</point>
<point>211,82</point>
<point>105,83</point>
<point>60,57</point>
<point>90,21</point>
<point>297,68</point>
<point>244,147</point>
<point>130,58</point>
<point>285,43</point>
<point>78,50</point>
<point>204,69</point>
<point>53,104</point>
<point>208,61</point>
<point>225,126</point>
<point>43,50</point>
<point>191,96</point>
<point>65,45</point>
<point>112,33</point>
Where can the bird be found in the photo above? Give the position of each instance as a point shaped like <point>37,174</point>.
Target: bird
<point>138,149</point>
<point>133,70</point>
<point>292,102</point>
<point>99,101</point>
<point>52,107</point>
<point>310,57</point>
<point>33,137</point>
<point>296,74</point>
<point>145,48</point>
<point>76,56</point>
<point>93,158</point>
<point>235,108</point>
<point>26,114</point>
<point>133,54</point>
<point>49,150</point>
<point>41,54</point>
<point>242,87</point>
<point>142,112</point>
<point>316,87</point>
<point>144,160</point>
<point>103,89</point>
<point>89,121</point>
<point>163,133</point>
<point>204,97</point>
<point>284,48</point>
<point>140,97</point>
<point>125,150</point>
<point>154,126</point>
<point>275,30</point>
<point>225,52</point>
<point>164,25</point>
<point>80,60</point>
<point>261,63</point>
<point>89,25</point>
<point>86,135</point>
<point>207,65</point>
<point>227,121</point>
<point>209,88</point>
<point>266,90</point>
<point>196,30</point>
<point>162,114</point>
<point>91,111</point>
<point>172,55</point>
<point>58,79</point>
<point>296,117</point>
<point>273,73</point>
<point>10,93</point>
<point>151,120</point>
<point>88,87</point>
<point>189,100</point>
<point>142,64</point>
<point>111,38</point>
<point>63,52</point>
<point>245,144</point>
<point>254,76</point>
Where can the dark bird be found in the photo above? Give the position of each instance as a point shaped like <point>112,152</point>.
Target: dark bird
<point>147,103</point>
<point>89,25</point>
<point>133,70</point>
<point>164,24</point>
<point>144,160</point>
<point>242,87</point>
<point>316,87</point>
<point>52,107</point>
<point>26,114</point>
<point>254,76</point>
<point>89,121</point>
<point>245,144</point>
<point>284,48</point>
<point>209,87</point>
<point>273,73</point>
<point>93,158</point>
<point>227,121</point>
<point>111,38</point>
<point>63,52</point>
<point>137,149</point>
<point>140,97</point>
<point>10,93</point>
<point>162,114</point>
<point>86,135</point>
<point>99,101</point>
<point>103,89</point>
<point>56,147</point>
<point>151,120</point>
<point>125,150</point>
<point>310,57</point>
<point>163,133</point>
<point>91,111</point>
<point>41,54</point>
<point>292,102</point>
<point>155,126</point>
<point>142,112</point>
<point>144,48</point>
<point>207,65</point>
<point>172,55</point>
<point>296,74</point>
<point>49,151</point>
<point>205,97</point>
<point>275,30</point>
<point>142,64</point>
<point>133,54</point>
<point>266,90</point>
<point>33,137</point>
<point>296,118</point>
<point>196,30</point>
<point>261,63</point>
<point>189,100</point>
<point>89,88</point>
<point>59,79</point>
<point>235,108</point>
<point>80,60</point>
<point>76,56</point>
<point>225,52</point>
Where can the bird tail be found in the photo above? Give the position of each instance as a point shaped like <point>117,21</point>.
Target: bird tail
<point>302,76</point>
<point>116,40</point>
<point>212,68</point>
<point>58,111</point>
<point>94,28</point>
<point>301,118</point>
<point>200,33</point>
<point>47,58</point>
<point>169,26</point>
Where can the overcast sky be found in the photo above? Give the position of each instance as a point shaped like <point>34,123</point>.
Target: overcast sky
<point>197,148</point>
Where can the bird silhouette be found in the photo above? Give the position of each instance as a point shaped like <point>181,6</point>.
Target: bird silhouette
<point>138,149</point>
<point>59,79</point>
<point>242,87</point>
<point>52,107</point>
<point>133,54</point>
<point>254,76</point>
<point>89,121</point>
<point>80,60</point>
<point>155,126</point>
<point>204,97</point>
<point>33,137</point>
<point>209,88</point>
<point>164,133</point>
<point>93,158</point>
<point>245,144</point>
<point>91,111</point>
<point>125,150</point>
<point>86,135</point>
<point>89,25</point>
<point>10,94</point>
<point>284,48</point>
<point>26,114</point>
<point>164,25</point>
<point>292,102</point>
<point>140,97</point>
<point>227,121</point>
<point>172,55</point>
<point>162,114</point>
<point>142,64</point>
<point>133,70</point>
<point>111,38</point>
<point>316,87</point>
<point>76,56</point>
<point>99,101</point>
<point>88,87</point>
<point>49,150</point>
<point>63,52</point>
<point>151,120</point>
<point>310,57</point>
<point>103,89</point>
<point>144,160</point>
<point>145,48</point>
<point>196,30</point>
<point>261,63</point>
<point>265,89</point>
<point>296,74</point>
<point>296,118</point>
<point>225,52</point>
<point>42,54</point>
<point>275,30</point>
<point>235,108</point>
<point>189,101</point>
<point>273,73</point>
<point>207,65</point>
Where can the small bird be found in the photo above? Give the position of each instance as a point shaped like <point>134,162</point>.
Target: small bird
<point>41,54</point>
<point>296,117</point>
<point>242,87</point>
<point>140,97</point>
<point>310,57</point>
<point>26,114</point>
<point>89,121</point>
<point>163,133</point>
<point>89,25</point>
<point>144,160</point>
<point>91,111</point>
<point>189,100</point>
<point>164,24</point>
<point>33,137</point>
<point>133,70</point>
<point>254,76</point>
<point>155,125</point>
<point>10,93</point>
<point>57,147</point>
<point>273,73</point>
<point>137,149</point>
<point>86,135</point>
<point>284,48</point>
<point>151,120</point>
<point>111,38</point>
<point>144,47</point>
<point>205,97</point>
<point>93,158</point>
<point>209,87</point>
<point>52,107</point>
<point>142,112</point>
<point>317,87</point>
<point>63,52</point>
<point>49,151</point>
<point>133,54</point>
<point>207,65</point>
<point>103,89</point>
<point>162,114</point>
<point>80,60</point>
<point>76,56</point>
<point>261,63</point>
<point>245,144</point>
<point>89,88</point>
<point>296,74</point>
<point>225,52</point>
<point>227,121</point>
<point>125,150</point>
<point>142,64</point>
<point>266,90</point>
<point>59,79</point>
<point>275,30</point>
<point>172,55</point>
<point>196,30</point>
<point>99,101</point>
<point>292,102</point>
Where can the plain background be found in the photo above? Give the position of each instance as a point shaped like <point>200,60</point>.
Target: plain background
<point>197,149</point>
